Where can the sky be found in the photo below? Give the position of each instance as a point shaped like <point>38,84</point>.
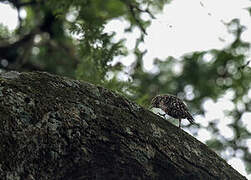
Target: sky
<point>200,27</point>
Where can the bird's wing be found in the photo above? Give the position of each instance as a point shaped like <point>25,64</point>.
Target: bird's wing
<point>178,103</point>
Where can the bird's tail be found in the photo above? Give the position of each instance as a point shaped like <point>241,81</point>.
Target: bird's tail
<point>190,118</point>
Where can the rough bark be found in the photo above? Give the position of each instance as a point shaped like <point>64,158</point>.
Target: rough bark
<point>56,128</point>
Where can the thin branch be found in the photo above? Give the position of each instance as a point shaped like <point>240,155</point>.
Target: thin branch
<point>145,11</point>
<point>134,10</point>
<point>245,65</point>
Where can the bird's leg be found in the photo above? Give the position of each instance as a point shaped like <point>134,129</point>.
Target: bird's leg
<point>179,122</point>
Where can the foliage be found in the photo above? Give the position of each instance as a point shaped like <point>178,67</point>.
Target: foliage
<point>67,37</point>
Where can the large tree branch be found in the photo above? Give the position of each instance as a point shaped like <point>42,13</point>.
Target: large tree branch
<point>56,128</point>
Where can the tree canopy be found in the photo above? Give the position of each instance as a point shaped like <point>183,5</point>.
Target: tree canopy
<point>67,37</point>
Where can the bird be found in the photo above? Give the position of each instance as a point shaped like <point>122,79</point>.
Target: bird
<point>173,106</point>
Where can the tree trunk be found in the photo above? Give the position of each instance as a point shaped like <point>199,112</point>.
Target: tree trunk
<point>54,128</point>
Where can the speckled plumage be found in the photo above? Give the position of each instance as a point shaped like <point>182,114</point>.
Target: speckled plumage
<point>173,106</point>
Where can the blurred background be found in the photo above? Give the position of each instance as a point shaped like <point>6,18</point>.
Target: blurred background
<point>198,50</point>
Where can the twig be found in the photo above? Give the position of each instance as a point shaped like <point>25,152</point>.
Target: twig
<point>131,9</point>
<point>245,65</point>
<point>134,9</point>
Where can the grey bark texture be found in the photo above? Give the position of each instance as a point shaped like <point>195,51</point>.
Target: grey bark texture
<point>55,128</point>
